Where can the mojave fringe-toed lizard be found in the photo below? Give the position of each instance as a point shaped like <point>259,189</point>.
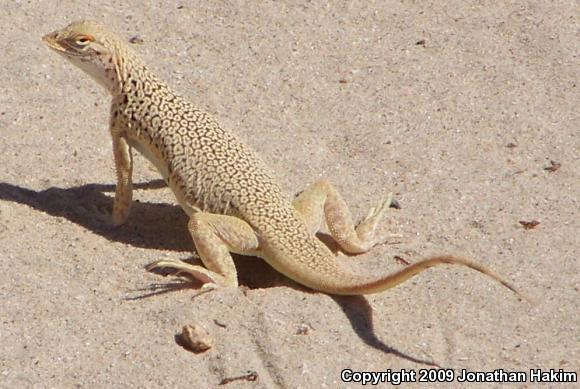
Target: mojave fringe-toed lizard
<point>233,203</point>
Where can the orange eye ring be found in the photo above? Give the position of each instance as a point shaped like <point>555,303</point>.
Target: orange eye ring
<point>82,40</point>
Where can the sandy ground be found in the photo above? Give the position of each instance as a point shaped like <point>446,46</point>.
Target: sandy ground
<point>458,108</point>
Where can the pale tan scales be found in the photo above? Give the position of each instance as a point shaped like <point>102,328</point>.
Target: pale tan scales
<point>233,201</point>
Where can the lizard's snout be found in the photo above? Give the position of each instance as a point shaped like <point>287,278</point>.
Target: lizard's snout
<point>52,41</point>
<point>48,37</point>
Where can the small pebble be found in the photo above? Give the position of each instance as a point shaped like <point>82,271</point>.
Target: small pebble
<point>196,338</point>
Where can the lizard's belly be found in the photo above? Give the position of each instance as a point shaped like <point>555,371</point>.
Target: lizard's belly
<point>152,156</point>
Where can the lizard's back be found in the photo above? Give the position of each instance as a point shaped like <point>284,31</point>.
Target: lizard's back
<point>207,167</point>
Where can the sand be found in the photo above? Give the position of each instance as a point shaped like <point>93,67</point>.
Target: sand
<point>456,107</point>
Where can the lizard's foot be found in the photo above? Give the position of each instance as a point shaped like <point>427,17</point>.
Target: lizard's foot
<point>375,214</point>
<point>366,228</point>
<point>210,280</point>
<point>206,288</point>
<point>321,201</point>
<point>117,219</point>
<point>98,214</point>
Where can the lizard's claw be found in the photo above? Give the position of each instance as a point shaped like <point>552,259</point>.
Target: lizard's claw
<point>200,273</point>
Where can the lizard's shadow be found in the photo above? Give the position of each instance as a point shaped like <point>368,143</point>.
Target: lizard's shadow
<point>158,226</point>
<point>360,314</point>
<point>164,227</point>
<point>153,226</point>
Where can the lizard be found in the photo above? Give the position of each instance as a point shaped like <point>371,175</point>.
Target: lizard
<point>233,202</point>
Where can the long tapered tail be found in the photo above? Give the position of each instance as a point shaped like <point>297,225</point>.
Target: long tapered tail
<point>369,286</point>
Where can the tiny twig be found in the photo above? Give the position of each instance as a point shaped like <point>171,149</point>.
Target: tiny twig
<point>249,376</point>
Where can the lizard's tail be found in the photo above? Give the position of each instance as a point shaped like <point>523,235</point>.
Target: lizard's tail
<point>358,286</point>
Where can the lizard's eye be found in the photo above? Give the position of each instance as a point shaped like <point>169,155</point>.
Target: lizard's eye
<point>83,40</point>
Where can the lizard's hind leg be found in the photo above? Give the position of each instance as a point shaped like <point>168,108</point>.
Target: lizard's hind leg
<point>321,201</point>
<point>215,236</point>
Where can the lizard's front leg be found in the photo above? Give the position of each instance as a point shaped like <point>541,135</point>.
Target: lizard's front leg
<point>124,167</point>
<point>215,236</point>
<point>321,201</point>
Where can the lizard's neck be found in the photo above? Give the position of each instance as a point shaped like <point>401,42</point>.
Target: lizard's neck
<point>130,71</point>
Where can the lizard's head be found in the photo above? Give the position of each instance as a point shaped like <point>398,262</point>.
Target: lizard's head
<point>92,48</point>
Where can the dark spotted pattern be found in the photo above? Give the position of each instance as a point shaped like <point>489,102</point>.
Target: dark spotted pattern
<point>207,168</point>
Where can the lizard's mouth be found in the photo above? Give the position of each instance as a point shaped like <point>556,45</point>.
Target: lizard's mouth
<point>58,45</point>
<point>51,41</point>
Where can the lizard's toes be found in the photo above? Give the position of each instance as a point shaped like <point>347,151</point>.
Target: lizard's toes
<point>178,268</point>
<point>390,238</point>
<point>200,273</point>
<point>376,213</point>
